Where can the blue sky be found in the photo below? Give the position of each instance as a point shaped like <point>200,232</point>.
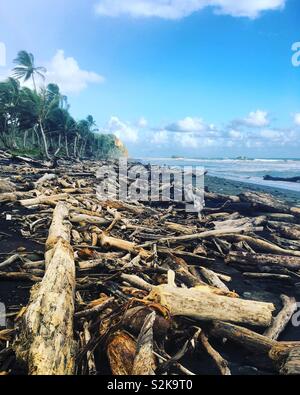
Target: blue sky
<point>201,78</point>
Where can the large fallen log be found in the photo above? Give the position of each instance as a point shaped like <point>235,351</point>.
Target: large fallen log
<point>261,245</point>
<point>202,304</point>
<point>46,341</point>
<point>252,341</point>
<point>291,231</point>
<point>49,200</point>
<point>13,196</point>
<point>264,202</point>
<point>6,186</point>
<point>292,364</point>
<point>262,260</point>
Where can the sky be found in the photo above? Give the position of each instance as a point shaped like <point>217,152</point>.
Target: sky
<point>195,78</point>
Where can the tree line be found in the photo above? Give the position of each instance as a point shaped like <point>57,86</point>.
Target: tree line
<point>38,121</point>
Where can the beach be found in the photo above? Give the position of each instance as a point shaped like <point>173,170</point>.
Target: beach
<point>233,187</point>
<point>123,258</point>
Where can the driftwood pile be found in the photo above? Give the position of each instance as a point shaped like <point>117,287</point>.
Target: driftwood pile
<point>144,288</point>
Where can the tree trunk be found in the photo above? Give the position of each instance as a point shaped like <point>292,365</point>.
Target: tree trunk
<point>44,141</point>
<point>25,138</point>
<point>75,146</point>
<point>248,260</point>
<point>46,341</point>
<point>66,145</point>
<point>59,145</point>
<point>205,305</point>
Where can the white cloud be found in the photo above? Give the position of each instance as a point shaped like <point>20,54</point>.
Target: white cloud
<point>190,125</point>
<point>177,9</point>
<point>142,122</point>
<point>235,134</point>
<point>297,119</point>
<point>256,119</point>
<point>187,140</point>
<point>160,137</point>
<point>66,72</point>
<point>124,131</point>
<point>271,134</point>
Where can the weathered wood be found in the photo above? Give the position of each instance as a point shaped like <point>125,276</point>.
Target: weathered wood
<point>282,319</point>
<point>136,281</point>
<point>221,363</point>
<point>6,186</point>
<point>121,350</point>
<point>144,363</point>
<point>48,200</point>
<point>107,241</point>
<point>202,304</point>
<point>88,219</point>
<point>264,202</point>
<point>94,310</point>
<point>251,340</point>
<point>262,245</point>
<point>209,233</point>
<point>291,231</point>
<point>292,364</point>
<point>9,260</point>
<point>46,341</point>
<point>261,260</point>
<point>213,279</point>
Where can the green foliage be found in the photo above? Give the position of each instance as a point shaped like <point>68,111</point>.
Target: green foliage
<point>39,123</point>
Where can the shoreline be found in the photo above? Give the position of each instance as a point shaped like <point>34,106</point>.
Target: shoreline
<point>232,187</point>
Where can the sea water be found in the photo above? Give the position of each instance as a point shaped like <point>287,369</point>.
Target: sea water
<point>243,170</point>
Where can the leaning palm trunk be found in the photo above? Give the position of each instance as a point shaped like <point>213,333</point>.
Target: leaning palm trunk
<point>44,141</point>
<point>75,146</point>
<point>25,138</point>
<point>59,145</point>
<point>83,147</point>
<point>66,145</point>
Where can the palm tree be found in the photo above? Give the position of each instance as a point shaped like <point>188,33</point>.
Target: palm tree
<point>9,101</point>
<point>41,110</point>
<point>26,68</point>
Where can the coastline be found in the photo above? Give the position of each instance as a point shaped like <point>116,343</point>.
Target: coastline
<point>232,187</point>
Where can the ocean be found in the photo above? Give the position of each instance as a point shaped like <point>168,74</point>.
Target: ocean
<point>249,170</point>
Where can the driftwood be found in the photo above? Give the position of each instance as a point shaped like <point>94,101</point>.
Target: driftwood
<point>9,261</point>
<point>261,260</point>
<point>6,186</point>
<point>221,363</point>
<point>251,340</point>
<point>107,241</point>
<point>262,245</point>
<point>213,279</point>
<point>202,304</point>
<point>283,318</point>
<point>46,341</point>
<point>264,202</point>
<point>125,315</point>
<point>121,351</point>
<point>48,200</point>
<point>144,363</point>
<point>292,364</point>
<point>94,310</point>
